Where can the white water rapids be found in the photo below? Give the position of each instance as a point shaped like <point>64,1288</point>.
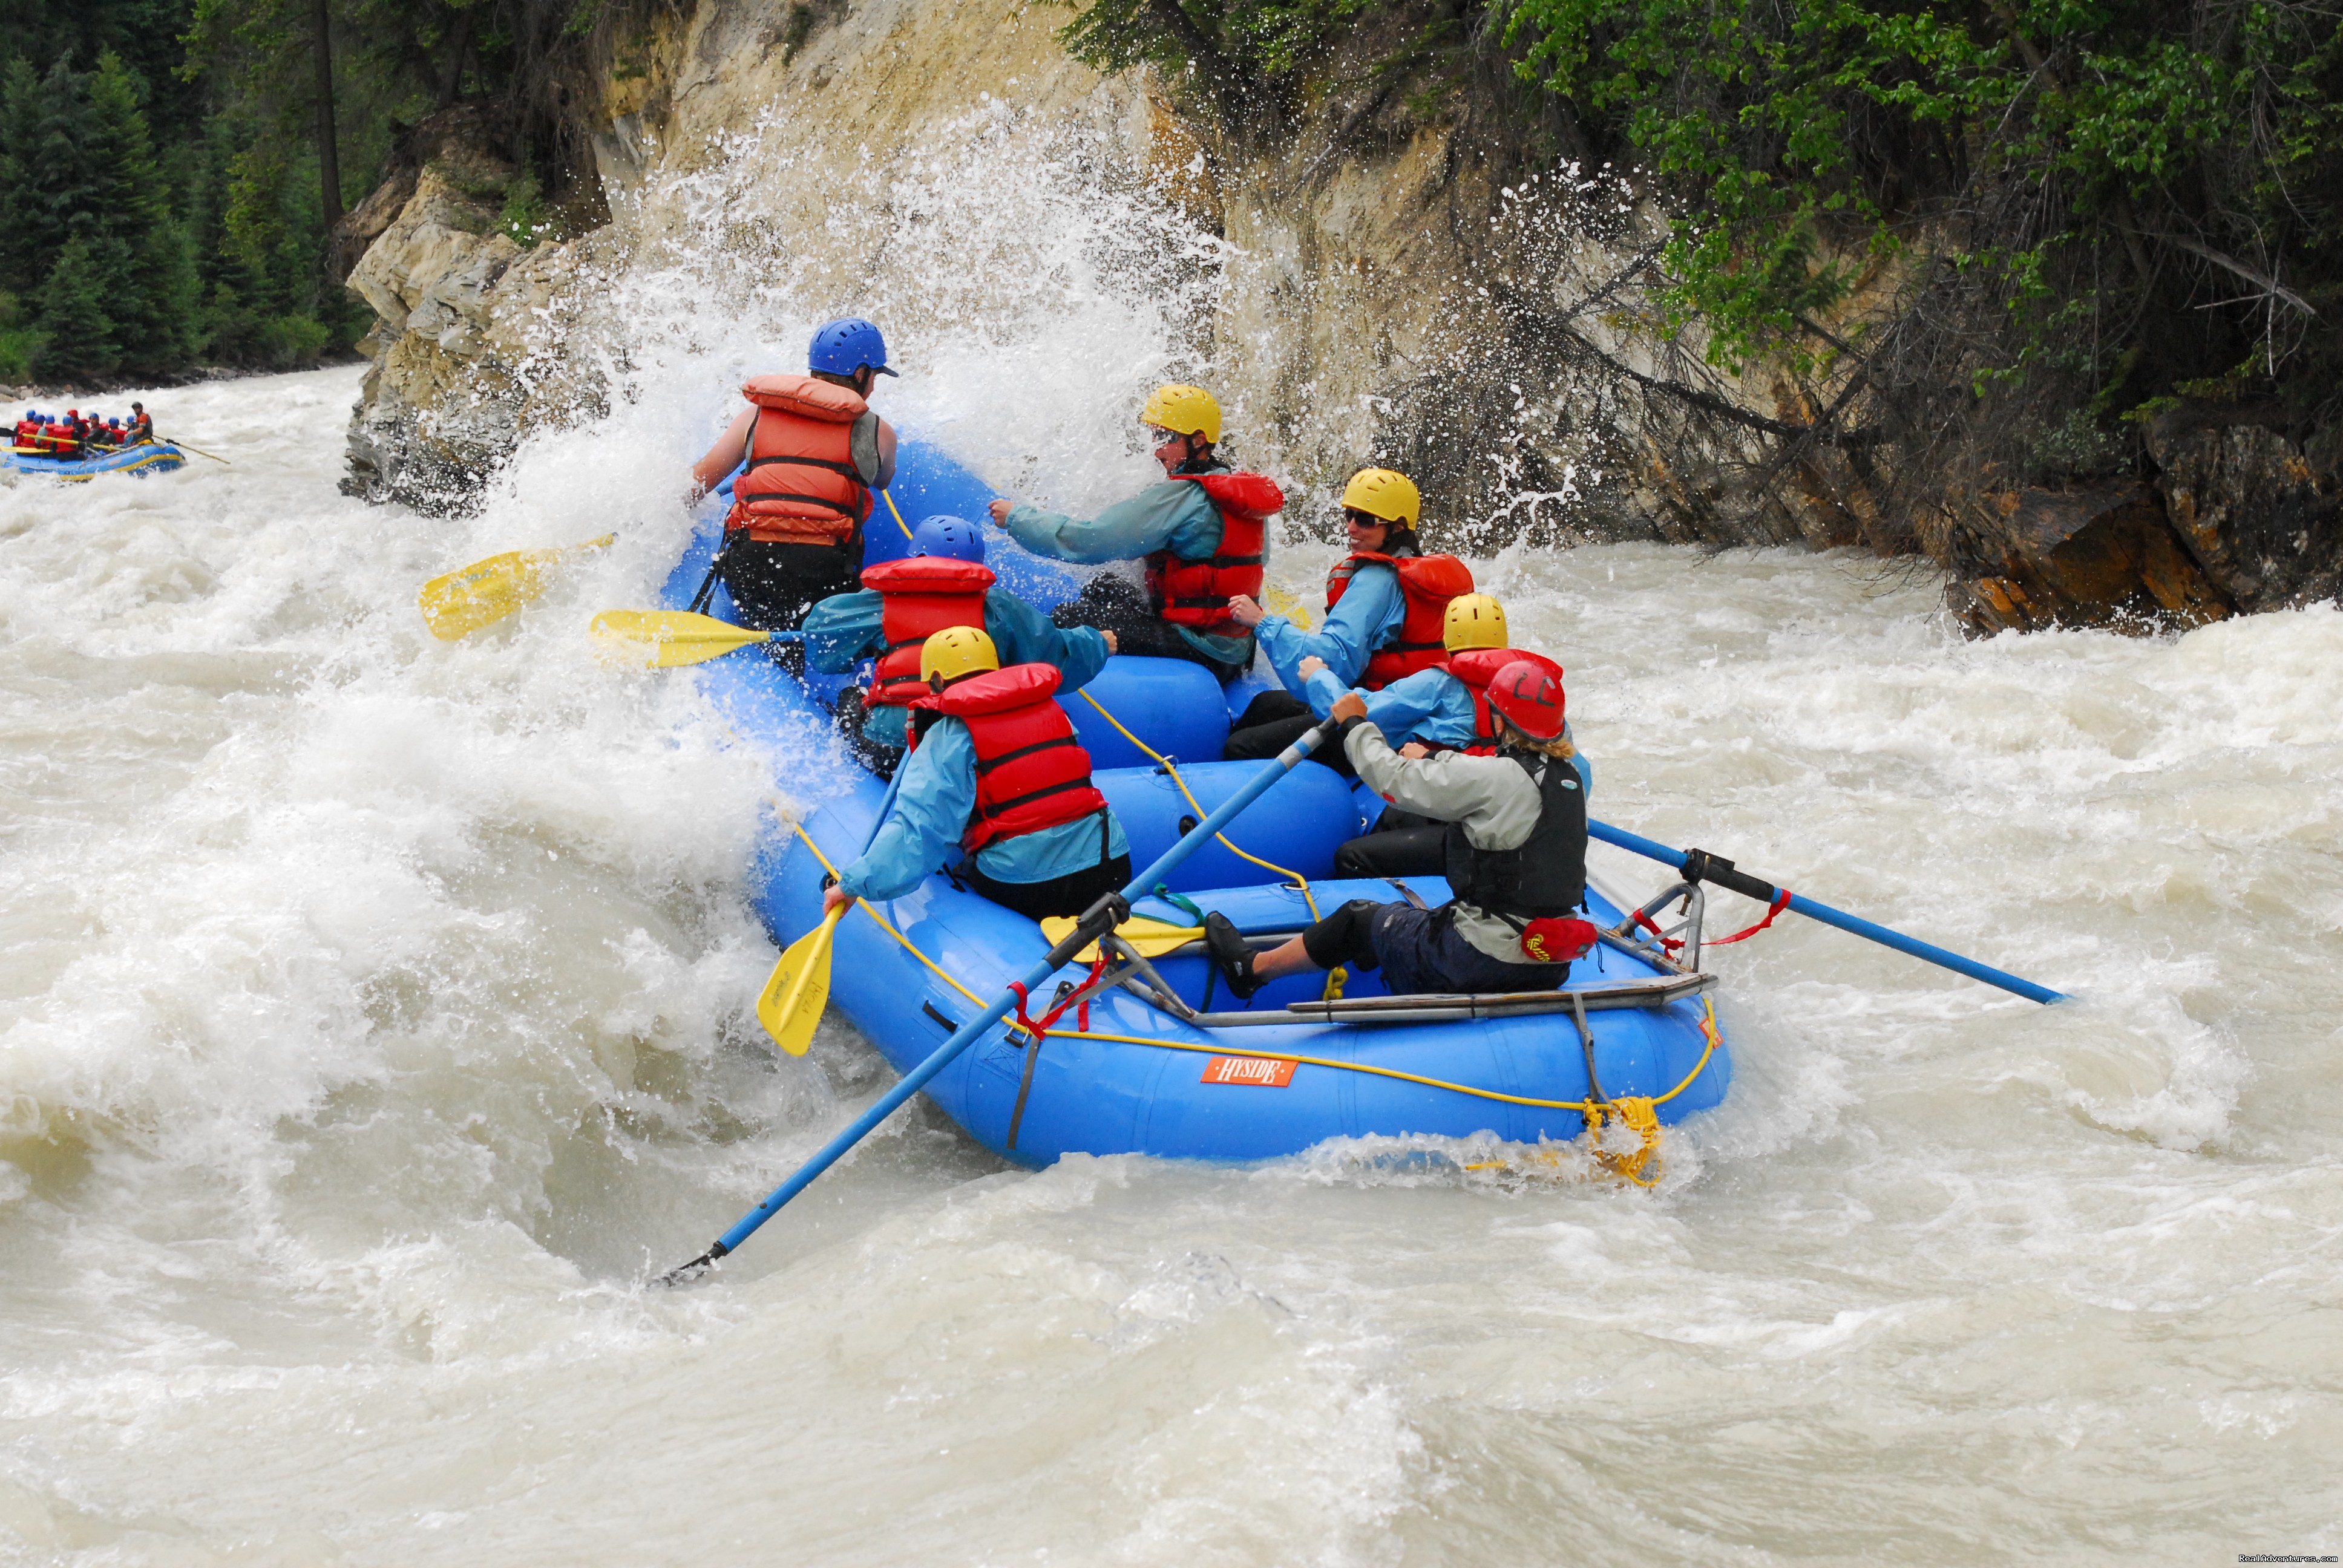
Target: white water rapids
<point>374,1019</point>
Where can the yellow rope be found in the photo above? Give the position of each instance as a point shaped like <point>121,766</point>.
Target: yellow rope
<point>1296,878</point>
<point>898,516</point>
<point>1637,1113</point>
<point>1335,977</point>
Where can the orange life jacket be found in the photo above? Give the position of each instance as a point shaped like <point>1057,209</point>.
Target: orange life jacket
<point>1196,593</point>
<point>1476,667</point>
<point>919,596</point>
<point>801,486</point>
<point>1031,771</point>
<point>1426,584</point>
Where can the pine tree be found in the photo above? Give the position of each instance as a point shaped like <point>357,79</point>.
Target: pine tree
<point>137,247</point>
<point>23,263</point>
<point>79,333</point>
<point>47,198</point>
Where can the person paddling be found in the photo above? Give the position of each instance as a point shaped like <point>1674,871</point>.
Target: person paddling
<point>1385,602</point>
<point>1515,857</point>
<point>943,582</point>
<point>813,452</point>
<point>995,772</point>
<point>142,426</point>
<point>1203,532</point>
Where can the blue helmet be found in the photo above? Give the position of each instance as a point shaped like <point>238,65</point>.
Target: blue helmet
<point>842,347</point>
<point>953,538</point>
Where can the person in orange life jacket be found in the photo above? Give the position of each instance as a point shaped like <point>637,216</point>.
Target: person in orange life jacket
<point>994,771</point>
<point>142,426</point>
<point>1515,859</point>
<point>1204,534</point>
<point>1384,604</point>
<point>943,582</point>
<point>814,453</point>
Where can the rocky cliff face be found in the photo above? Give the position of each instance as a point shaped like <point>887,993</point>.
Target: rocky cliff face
<point>1376,281</point>
<point>1374,288</point>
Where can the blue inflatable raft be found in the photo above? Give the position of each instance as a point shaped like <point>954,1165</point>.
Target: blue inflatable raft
<point>148,457</point>
<point>1155,1063</point>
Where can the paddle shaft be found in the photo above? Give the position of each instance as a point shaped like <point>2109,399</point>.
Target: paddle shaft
<point>1700,866</point>
<point>1097,921</point>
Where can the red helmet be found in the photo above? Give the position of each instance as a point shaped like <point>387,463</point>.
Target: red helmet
<point>1529,697</point>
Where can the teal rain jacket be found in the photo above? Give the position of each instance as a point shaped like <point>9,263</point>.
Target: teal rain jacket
<point>922,833</point>
<point>845,628</point>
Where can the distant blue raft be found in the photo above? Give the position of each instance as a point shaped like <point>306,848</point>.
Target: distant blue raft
<point>1191,1074</point>
<point>148,457</point>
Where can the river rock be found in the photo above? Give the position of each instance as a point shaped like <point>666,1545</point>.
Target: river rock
<point>2249,506</point>
<point>2101,555</point>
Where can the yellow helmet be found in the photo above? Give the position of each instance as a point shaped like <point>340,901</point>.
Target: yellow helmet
<point>1183,410</point>
<point>1474,620</point>
<point>1382,493</point>
<point>955,652</point>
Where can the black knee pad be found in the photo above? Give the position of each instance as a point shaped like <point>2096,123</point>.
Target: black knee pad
<point>1342,938</point>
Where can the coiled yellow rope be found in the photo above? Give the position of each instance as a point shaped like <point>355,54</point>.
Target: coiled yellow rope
<point>1634,1112</point>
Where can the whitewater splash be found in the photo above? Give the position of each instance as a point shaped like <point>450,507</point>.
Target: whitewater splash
<point>378,1013</point>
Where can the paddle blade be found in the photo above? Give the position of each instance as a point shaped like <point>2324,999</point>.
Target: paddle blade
<point>1152,938</point>
<point>484,593</point>
<point>791,1003</point>
<point>662,639</point>
<point>1285,602</point>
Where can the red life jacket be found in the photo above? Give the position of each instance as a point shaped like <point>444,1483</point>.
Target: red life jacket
<point>919,596</point>
<point>1196,593</point>
<point>1476,667</point>
<point>1426,584</point>
<point>1031,771</point>
<point>801,486</point>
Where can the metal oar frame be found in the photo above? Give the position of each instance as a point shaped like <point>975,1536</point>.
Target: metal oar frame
<point>1678,979</point>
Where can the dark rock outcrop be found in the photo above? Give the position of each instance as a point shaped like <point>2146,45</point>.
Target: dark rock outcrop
<point>2099,557</point>
<point>2247,502</point>
<point>2240,519</point>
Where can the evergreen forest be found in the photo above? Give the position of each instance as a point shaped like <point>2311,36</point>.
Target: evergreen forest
<point>172,171</point>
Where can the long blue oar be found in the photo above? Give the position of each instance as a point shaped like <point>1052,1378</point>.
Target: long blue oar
<point>1700,866</point>
<point>1096,922</point>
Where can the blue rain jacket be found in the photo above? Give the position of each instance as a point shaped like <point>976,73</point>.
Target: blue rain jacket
<point>845,628</point>
<point>1174,514</point>
<point>922,834</point>
<point>1368,617</point>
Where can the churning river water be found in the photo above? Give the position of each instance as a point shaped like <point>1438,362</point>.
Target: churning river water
<point>375,1019</point>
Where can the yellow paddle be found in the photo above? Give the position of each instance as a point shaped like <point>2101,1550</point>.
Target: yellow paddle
<point>791,1002</point>
<point>199,452</point>
<point>1152,938</point>
<point>1287,603</point>
<point>663,638</point>
<point>484,593</point>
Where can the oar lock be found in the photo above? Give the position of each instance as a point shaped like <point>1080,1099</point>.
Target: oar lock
<point>1700,866</point>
